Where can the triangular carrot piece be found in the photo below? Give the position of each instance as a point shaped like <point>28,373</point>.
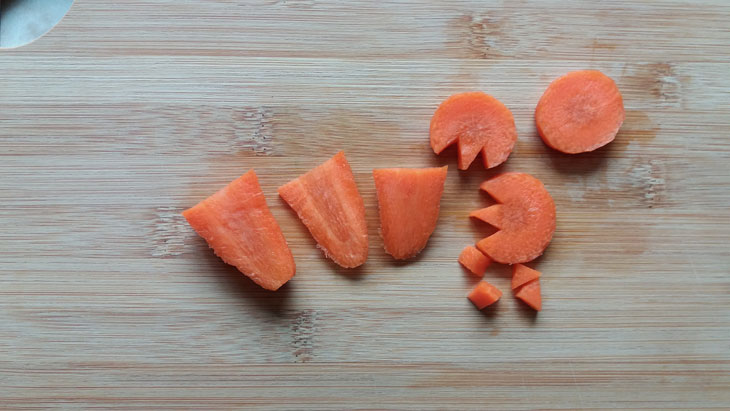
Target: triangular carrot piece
<point>530,294</point>
<point>491,215</point>
<point>484,294</point>
<point>474,260</point>
<point>238,226</point>
<point>525,218</point>
<point>477,122</point>
<point>522,275</point>
<point>408,199</point>
<point>328,203</point>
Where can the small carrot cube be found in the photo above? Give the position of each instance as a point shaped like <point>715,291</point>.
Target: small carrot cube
<point>474,260</point>
<point>484,294</point>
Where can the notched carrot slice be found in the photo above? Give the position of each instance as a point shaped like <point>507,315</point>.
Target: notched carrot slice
<point>478,123</point>
<point>474,260</point>
<point>484,294</point>
<point>238,226</point>
<point>327,201</point>
<point>580,111</point>
<point>525,218</point>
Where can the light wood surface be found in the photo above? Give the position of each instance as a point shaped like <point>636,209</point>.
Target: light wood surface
<point>129,112</point>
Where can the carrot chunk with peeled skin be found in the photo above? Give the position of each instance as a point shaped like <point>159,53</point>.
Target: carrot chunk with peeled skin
<point>477,122</point>
<point>530,294</point>
<point>522,275</point>
<point>327,201</point>
<point>409,201</point>
<point>525,217</point>
<point>474,260</point>
<point>580,111</point>
<point>238,226</point>
<point>484,294</point>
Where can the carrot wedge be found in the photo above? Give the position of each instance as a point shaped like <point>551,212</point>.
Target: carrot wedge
<point>238,226</point>
<point>327,201</point>
<point>478,123</point>
<point>522,275</point>
<point>409,201</point>
<point>579,112</point>
<point>530,294</point>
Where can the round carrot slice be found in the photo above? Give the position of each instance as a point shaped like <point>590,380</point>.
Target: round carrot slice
<point>579,112</point>
<point>477,122</point>
<point>525,218</point>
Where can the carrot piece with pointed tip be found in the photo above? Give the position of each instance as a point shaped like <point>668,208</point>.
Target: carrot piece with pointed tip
<point>522,275</point>
<point>409,201</point>
<point>327,201</point>
<point>484,294</point>
<point>530,294</point>
<point>525,218</point>
<point>579,112</point>
<point>238,226</point>
<point>474,260</point>
<point>477,123</point>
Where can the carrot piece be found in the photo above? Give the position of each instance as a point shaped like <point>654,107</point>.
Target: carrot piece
<point>238,226</point>
<point>525,218</point>
<point>484,294</point>
<point>327,201</point>
<point>408,200</point>
<point>479,123</point>
<point>522,275</point>
<point>580,111</point>
<point>474,260</point>
<point>530,294</point>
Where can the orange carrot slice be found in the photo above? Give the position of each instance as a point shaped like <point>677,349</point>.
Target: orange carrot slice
<point>328,203</point>
<point>408,199</point>
<point>525,218</point>
<point>479,123</point>
<point>522,275</point>
<point>530,294</point>
<point>238,226</point>
<point>474,260</point>
<point>484,294</point>
<point>580,111</point>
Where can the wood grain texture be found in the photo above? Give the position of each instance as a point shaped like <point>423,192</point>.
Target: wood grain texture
<point>129,112</point>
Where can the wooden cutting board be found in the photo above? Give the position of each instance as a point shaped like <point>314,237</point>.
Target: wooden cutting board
<point>129,112</point>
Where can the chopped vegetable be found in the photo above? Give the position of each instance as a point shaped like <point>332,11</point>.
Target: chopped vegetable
<point>522,275</point>
<point>474,260</point>
<point>484,294</point>
<point>238,226</point>
<point>580,111</point>
<point>330,206</point>
<point>477,122</point>
<point>408,199</point>
<point>525,217</point>
<point>530,294</point>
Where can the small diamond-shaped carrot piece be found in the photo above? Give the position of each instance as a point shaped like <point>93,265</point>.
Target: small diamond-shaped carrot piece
<point>530,294</point>
<point>474,260</point>
<point>484,294</point>
<point>522,275</point>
